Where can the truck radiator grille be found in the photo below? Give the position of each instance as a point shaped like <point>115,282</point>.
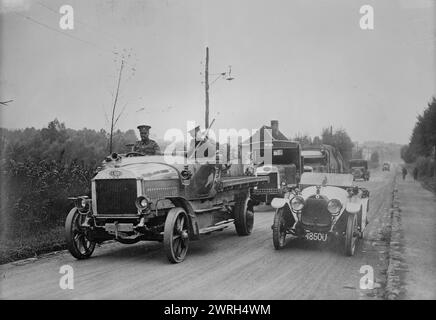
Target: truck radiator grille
<point>116,196</point>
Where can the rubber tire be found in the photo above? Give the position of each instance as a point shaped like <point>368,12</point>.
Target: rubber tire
<point>349,232</point>
<point>69,237</point>
<point>279,218</point>
<point>127,241</point>
<point>170,220</point>
<point>244,220</point>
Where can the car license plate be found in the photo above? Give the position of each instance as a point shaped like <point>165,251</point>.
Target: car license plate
<point>316,236</point>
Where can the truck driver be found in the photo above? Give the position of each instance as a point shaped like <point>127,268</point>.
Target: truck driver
<point>146,146</point>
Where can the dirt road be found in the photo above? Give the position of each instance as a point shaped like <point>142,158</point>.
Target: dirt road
<point>220,266</point>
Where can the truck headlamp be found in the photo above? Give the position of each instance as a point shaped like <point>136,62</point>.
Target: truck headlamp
<point>82,203</point>
<point>142,203</point>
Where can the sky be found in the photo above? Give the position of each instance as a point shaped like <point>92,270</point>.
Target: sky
<point>305,63</point>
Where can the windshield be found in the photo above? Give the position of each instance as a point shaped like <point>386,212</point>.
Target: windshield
<point>285,156</point>
<point>315,161</point>
<point>328,179</point>
<point>358,163</point>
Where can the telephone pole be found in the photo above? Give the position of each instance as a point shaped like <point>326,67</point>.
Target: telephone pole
<point>206,87</point>
<point>115,104</point>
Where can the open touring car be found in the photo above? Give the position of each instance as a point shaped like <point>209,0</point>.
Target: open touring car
<point>325,206</point>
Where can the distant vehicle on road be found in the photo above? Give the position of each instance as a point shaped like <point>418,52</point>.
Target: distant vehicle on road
<point>285,170</point>
<point>322,158</point>
<point>386,166</point>
<point>359,169</point>
<point>325,207</point>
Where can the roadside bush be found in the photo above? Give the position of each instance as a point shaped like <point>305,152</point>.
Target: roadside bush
<point>36,193</point>
<point>426,166</point>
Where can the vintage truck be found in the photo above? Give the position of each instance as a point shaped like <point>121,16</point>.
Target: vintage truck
<point>284,170</point>
<point>136,197</point>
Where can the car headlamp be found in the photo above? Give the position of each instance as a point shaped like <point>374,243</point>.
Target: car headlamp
<point>142,203</point>
<point>334,206</point>
<point>297,203</point>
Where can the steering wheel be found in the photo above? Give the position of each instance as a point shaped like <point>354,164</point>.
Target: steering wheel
<point>134,154</point>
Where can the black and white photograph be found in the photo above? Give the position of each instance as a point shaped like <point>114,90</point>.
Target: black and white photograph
<point>216,156</point>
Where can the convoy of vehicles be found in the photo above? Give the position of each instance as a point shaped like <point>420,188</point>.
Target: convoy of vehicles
<point>136,197</point>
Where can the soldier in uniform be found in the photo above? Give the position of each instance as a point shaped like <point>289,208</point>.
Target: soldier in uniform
<point>146,146</point>
<point>199,144</point>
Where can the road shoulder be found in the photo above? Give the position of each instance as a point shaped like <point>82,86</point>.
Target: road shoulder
<point>412,267</point>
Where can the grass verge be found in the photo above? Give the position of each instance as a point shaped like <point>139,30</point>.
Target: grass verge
<point>32,244</point>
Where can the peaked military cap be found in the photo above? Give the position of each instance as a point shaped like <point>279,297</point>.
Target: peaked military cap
<point>144,127</point>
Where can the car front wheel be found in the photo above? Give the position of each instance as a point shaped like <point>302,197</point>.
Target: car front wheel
<point>351,235</point>
<point>279,229</point>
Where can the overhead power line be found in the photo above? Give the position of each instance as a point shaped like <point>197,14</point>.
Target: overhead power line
<point>55,30</point>
<point>28,18</point>
<point>89,26</point>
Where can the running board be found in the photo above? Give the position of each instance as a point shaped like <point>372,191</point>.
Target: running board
<point>217,227</point>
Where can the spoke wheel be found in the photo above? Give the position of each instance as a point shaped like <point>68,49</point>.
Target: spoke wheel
<point>244,215</point>
<point>351,235</point>
<point>78,244</point>
<point>176,235</point>
<point>279,229</point>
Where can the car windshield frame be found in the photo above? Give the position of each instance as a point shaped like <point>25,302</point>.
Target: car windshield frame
<point>326,179</point>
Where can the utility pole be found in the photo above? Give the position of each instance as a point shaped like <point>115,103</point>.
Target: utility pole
<point>114,107</point>
<point>206,87</point>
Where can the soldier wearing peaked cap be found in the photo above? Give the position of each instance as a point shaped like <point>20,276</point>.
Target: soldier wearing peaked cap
<point>146,146</point>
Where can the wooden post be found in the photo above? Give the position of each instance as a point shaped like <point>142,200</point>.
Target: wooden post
<point>240,150</point>
<point>228,150</point>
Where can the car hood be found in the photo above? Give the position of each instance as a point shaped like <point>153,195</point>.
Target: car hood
<point>329,192</point>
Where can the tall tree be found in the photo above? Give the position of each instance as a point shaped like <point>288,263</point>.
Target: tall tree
<point>340,140</point>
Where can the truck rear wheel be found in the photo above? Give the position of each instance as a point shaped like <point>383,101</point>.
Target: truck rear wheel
<point>244,215</point>
<point>176,235</point>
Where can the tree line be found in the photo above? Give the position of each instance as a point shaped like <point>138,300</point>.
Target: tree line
<point>41,168</point>
<point>421,150</point>
<point>339,139</point>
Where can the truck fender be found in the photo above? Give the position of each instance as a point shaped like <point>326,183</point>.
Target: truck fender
<point>183,203</point>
